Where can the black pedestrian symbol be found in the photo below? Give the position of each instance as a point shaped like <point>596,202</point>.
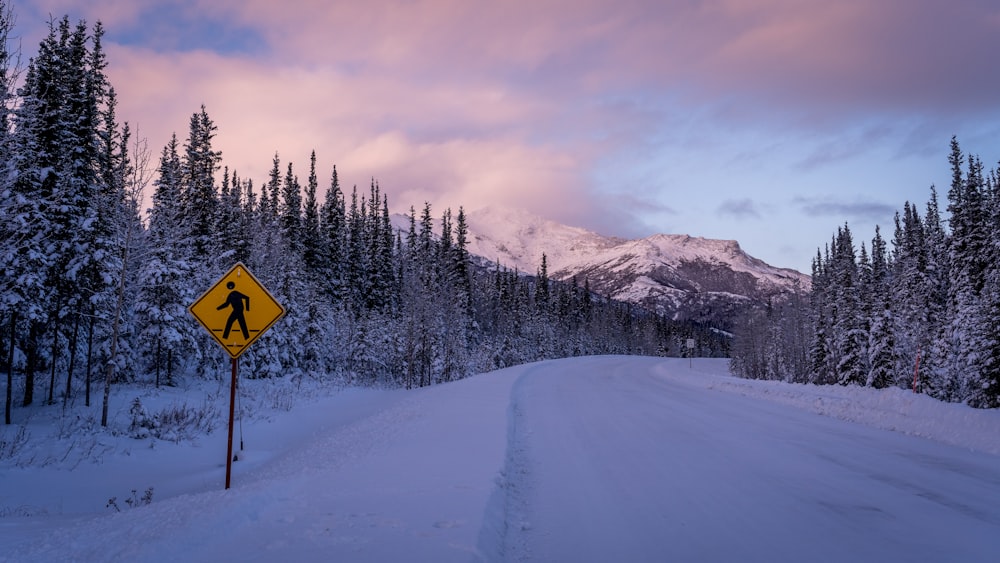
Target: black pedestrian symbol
<point>235,300</point>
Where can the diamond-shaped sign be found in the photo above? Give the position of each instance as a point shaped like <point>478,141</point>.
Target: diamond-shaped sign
<point>237,310</point>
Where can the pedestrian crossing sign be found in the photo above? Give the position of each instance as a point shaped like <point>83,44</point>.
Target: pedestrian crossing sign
<point>237,310</point>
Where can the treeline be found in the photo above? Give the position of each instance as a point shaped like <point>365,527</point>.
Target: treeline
<point>924,314</point>
<point>93,289</point>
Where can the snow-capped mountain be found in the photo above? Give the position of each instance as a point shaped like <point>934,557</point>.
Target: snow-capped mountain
<point>683,276</point>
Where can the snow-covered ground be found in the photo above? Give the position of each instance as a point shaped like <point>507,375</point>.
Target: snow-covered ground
<point>586,459</point>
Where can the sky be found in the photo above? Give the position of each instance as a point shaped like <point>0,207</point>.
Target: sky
<point>771,122</point>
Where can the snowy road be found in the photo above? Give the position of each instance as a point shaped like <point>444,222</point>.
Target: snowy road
<point>600,459</point>
<point>618,461</point>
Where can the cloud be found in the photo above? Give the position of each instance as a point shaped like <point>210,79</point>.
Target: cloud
<point>829,207</point>
<point>776,63</point>
<point>845,146</point>
<point>586,111</point>
<point>739,208</point>
<point>811,53</point>
<point>806,60</point>
<point>470,173</point>
<point>432,139</point>
<point>854,55</point>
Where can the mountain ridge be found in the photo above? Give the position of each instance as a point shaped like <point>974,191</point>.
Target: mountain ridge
<point>682,276</point>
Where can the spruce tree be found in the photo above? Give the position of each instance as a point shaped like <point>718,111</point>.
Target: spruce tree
<point>388,282</point>
<point>311,241</point>
<point>937,291</point>
<point>378,243</point>
<point>356,264</point>
<point>230,211</point>
<point>881,344</point>
<point>166,290</point>
<point>460,259</point>
<point>967,255</point>
<point>333,227</point>
<point>819,347</point>
<point>542,285</point>
<point>27,194</point>
<point>10,295</point>
<point>987,393</point>
<point>56,200</point>
<point>290,212</point>
<point>199,196</point>
<point>269,191</point>
<point>848,342</point>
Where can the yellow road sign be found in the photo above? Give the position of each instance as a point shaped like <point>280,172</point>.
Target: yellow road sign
<point>237,310</point>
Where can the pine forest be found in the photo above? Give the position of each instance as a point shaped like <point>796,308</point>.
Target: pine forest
<point>922,315</point>
<point>95,284</point>
<point>105,243</point>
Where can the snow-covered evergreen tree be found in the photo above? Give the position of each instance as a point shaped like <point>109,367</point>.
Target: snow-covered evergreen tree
<point>163,325</point>
<point>881,344</point>
<point>967,258</point>
<point>333,236</point>
<point>929,309</point>
<point>985,391</point>
<point>59,194</point>
<point>311,240</point>
<point>232,239</point>
<point>199,195</point>
<point>290,212</point>
<point>848,335</point>
<point>821,368</point>
<point>11,294</point>
<point>935,371</point>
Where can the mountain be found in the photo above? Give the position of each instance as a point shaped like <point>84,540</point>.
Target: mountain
<point>678,275</point>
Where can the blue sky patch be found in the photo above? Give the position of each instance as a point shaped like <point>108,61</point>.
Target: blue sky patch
<point>165,28</point>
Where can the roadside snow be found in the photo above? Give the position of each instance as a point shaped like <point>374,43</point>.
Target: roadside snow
<point>895,409</point>
<point>582,459</point>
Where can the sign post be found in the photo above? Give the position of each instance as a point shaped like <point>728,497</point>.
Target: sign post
<point>690,347</point>
<point>236,311</point>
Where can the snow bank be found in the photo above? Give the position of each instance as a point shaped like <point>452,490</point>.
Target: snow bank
<point>430,474</point>
<point>893,409</point>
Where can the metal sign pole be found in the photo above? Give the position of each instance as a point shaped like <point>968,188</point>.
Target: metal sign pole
<point>247,310</point>
<point>232,401</point>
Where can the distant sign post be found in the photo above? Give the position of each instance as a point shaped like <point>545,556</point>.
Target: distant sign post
<point>690,347</point>
<point>236,311</point>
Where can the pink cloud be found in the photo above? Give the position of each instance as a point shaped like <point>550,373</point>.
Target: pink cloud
<point>469,173</point>
<point>812,56</point>
<point>843,57</point>
<point>468,103</point>
<point>894,54</point>
<point>369,127</point>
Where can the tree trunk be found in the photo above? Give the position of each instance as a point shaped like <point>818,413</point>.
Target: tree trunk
<point>53,357</point>
<point>10,367</point>
<point>109,374</point>
<point>72,359</point>
<point>158,350</point>
<point>110,371</point>
<point>90,353</point>
<point>30,361</point>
